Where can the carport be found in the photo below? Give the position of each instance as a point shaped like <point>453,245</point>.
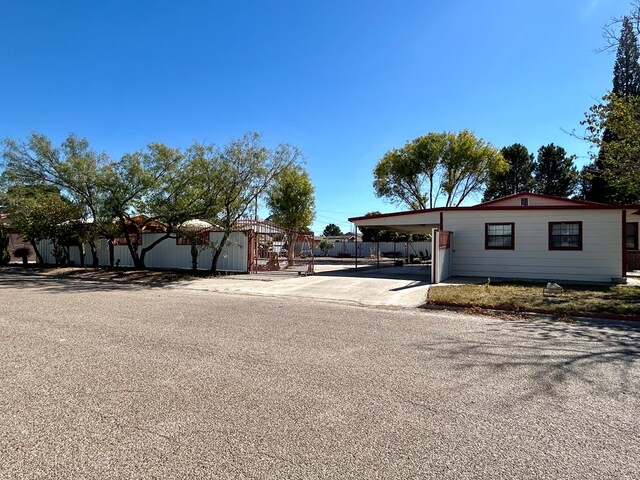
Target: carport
<point>420,222</point>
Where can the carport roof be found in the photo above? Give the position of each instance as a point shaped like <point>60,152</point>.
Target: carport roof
<point>419,221</point>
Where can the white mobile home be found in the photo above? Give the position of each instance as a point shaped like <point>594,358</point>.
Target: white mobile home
<point>525,236</point>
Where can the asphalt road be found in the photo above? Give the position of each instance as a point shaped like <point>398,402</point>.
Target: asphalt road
<point>112,381</point>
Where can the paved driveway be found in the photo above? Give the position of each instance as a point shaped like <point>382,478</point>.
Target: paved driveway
<point>122,381</point>
<point>405,286</point>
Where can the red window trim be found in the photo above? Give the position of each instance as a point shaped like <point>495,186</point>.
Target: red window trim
<point>513,236</point>
<point>580,237</point>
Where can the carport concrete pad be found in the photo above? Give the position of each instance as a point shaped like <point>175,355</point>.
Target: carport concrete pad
<point>389,286</point>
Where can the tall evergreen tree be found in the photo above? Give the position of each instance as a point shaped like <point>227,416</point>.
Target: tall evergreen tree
<point>626,70</point>
<point>519,177</point>
<point>626,83</point>
<point>332,230</point>
<point>555,173</point>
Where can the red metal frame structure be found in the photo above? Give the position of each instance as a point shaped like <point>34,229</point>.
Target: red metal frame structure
<point>269,248</point>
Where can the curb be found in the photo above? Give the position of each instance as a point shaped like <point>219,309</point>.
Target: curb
<point>578,316</point>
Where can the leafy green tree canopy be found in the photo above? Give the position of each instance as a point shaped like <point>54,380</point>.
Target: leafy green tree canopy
<point>555,173</point>
<point>39,212</point>
<point>73,168</point>
<point>331,230</point>
<point>291,201</point>
<point>451,165</point>
<point>325,245</point>
<point>518,178</point>
<point>626,69</point>
<point>603,180</point>
<point>619,159</point>
<point>243,171</point>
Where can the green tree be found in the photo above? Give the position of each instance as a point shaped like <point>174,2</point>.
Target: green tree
<point>469,163</point>
<point>158,185</point>
<point>243,170</point>
<point>145,187</point>
<point>374,235</point>
<point>4,245</point>
<point>39,212</point>
<point>73,168</point>
<point>325,246</point>
<point>291,201</point>
<point>331,230</point>
<point>449,165</point>
<point>626,69</point>
<point>620,159</point>
<point>555,173</point>
<point>409,175</point>
<point>613,31</point>
<point>518,178</point>
<point>626,84</point>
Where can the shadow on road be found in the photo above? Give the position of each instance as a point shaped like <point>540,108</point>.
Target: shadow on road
<point>63,284</point>
<point>552,354</point>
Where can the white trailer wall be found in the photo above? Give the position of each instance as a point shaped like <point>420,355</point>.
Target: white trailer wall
<point>600,259</point>
<point>442,266</point>
<point>167,254</point>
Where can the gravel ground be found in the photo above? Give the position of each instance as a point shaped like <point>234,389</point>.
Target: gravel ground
<point>101,380</point>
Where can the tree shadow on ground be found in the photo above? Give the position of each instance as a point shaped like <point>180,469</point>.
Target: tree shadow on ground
<point>551,354</point>
<point>65,284</point>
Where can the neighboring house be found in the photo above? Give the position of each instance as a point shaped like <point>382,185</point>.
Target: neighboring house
<point>525,236</point>
<point>344,238</point>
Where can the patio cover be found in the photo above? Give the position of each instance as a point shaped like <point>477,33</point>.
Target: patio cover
<point>420,221</point>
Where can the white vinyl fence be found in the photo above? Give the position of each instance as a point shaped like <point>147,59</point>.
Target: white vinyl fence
<point>369,249</point>
<point>167,254</point>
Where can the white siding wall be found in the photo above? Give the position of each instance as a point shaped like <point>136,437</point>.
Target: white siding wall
<point>600,260</point>
<point>166,254</point>
<point>441,269</point>
<point>533,200</point>
<point>44,247</point>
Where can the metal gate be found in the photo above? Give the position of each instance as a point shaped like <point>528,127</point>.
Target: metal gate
<point>277,249</point>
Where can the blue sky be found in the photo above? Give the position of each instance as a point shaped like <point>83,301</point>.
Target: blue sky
<point>344,80</point>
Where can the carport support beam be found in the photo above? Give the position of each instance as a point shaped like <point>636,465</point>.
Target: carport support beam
<point>356,253</point>
<point>408,255</point>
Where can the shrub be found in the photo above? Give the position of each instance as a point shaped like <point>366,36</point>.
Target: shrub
<point>23,253</point>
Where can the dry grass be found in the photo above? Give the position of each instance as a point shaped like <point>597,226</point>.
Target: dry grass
<point>620,299</point>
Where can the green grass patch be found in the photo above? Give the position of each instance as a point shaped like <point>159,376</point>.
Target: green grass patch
<point>520,296</point>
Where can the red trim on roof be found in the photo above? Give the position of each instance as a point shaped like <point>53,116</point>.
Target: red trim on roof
<point>538,195</point>
<point>406,212</point>
<point>567,204</point>
<point>595,206</point>
<point>591,206</point>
